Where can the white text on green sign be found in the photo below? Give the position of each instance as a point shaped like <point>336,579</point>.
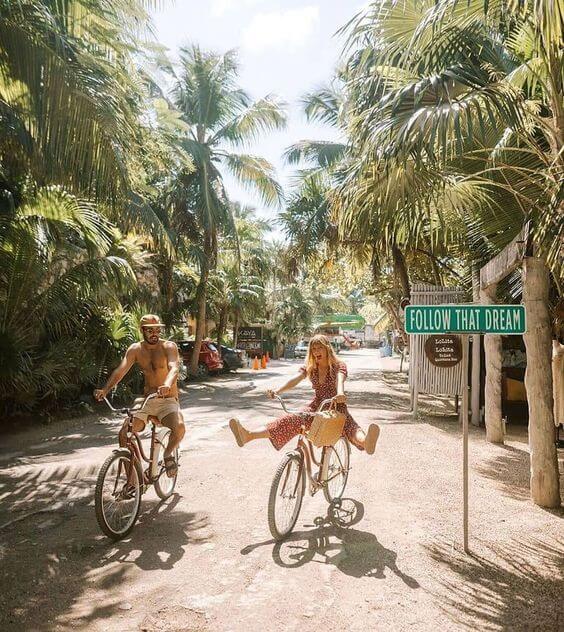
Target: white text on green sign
<point>465,319</point>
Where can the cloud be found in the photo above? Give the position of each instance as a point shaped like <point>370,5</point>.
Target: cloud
<point>277,29</point>
<point>220,7</point>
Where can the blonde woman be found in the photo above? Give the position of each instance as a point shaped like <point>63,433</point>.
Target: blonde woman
<point>327,376</point>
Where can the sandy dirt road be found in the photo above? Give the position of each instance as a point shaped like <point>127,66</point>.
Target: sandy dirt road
<point>204,559</point>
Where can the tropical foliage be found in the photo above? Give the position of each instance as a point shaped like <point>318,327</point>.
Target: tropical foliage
<point>448,126</point>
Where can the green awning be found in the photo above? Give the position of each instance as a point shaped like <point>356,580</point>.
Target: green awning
<point>347,321</point>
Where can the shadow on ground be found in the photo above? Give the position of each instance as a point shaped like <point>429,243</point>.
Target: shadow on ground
<point>333,541</point>
<point>518,586</point>
<point>45,572</point>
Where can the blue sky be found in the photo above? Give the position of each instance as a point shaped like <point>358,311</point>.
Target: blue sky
<point>286,47</point>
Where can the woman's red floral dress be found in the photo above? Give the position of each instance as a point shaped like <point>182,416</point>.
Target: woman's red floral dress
<point>285,428</point>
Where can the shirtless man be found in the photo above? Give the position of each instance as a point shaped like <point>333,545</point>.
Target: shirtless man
<point>159,361</point>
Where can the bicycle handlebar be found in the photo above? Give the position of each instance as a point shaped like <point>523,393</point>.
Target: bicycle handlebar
<point>293,412</point>
<point>128,410</point>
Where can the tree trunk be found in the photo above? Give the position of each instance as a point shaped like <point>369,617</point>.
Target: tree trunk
<point>545,490</point>
<point>393,313</point>
<point>221,324</point>
<point>201,296</point>
<point>492,347</point>
<point>400,270</point>
<point>235,328</point>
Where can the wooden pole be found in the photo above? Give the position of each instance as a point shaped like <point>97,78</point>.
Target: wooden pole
<point>465,439</point>
<point>492,347</point>
<point>545,488</point>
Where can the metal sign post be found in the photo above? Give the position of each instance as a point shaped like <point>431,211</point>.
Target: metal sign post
<point>465,319</point>
<point>465,440</point>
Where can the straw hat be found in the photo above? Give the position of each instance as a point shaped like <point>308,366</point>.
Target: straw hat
<point>150,320</point>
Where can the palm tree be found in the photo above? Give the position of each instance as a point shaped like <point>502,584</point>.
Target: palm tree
<point>219,115</point>
<point>70,94</point>
<point>457,129</point>
<point>59,270</point>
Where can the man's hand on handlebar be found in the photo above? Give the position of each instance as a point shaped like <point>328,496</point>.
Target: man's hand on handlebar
<point>99,394</point>
<point>340,399</point>
<point>271,394</point>
<point>164,391</point>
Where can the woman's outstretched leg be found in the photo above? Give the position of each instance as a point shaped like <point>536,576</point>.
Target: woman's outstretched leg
<point>365,440</point>
<point>242,435</point>
<point>279,431</point>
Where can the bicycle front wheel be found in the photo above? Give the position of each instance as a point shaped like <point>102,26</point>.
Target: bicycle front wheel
<point>286,495</point>
<point>117,498</point>
<point>336,462</point>
<point>164,485</point>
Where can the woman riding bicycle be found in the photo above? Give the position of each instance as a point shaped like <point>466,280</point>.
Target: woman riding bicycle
<point>327,376</point>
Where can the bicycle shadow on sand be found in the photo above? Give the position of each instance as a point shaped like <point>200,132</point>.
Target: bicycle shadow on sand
<point>333,541</point>
<point>160,537</point>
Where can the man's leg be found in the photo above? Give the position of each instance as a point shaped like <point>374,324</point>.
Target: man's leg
<point>175,422</point>
<point>138,426</point>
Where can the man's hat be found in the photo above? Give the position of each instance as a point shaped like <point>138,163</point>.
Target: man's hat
<point>150,320</point>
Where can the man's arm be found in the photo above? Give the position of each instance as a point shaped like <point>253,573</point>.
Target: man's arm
<point>172,375</point>
<point>118,373</point>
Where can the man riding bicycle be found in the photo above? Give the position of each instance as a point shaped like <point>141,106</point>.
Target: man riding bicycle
<point>158,360</point>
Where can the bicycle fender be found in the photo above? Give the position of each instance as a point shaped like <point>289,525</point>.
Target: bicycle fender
<point>121,451</point>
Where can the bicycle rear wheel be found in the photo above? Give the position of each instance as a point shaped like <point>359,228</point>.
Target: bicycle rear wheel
<point>164,485</point>
<point>117,498</point>
<point>286,495</point>
<point>335,469</point>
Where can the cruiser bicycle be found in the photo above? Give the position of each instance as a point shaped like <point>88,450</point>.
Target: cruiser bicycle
<point>122,481</point>
<point>289,482</point>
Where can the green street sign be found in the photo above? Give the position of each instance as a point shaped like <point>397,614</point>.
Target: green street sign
<point>506,320</point>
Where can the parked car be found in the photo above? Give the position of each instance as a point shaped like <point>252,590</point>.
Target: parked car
<point>232,358</point>
<point>300,350</point>
<point>209,360</point>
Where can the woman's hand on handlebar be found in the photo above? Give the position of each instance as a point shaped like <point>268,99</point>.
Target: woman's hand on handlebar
<point>340,399</point>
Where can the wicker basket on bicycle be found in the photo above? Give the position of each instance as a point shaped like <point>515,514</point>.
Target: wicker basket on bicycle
<point>327,427</point>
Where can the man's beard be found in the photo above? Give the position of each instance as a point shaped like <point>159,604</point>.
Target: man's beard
<point>148,339</point>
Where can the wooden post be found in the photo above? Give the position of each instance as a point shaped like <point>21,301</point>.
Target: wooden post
<point>465,440</point>
<point>492,347</point>
<point>476,360</point>
<point>545,489</point>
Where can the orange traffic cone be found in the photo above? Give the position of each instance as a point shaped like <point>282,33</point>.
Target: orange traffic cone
<point>256,364</point>
<point>263,362</point>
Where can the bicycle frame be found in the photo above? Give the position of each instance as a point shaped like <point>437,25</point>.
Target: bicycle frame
<point>306,448</point>
<point>135,445</point>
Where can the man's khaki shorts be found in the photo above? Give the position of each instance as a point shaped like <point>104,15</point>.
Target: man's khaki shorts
<point>158,407</point>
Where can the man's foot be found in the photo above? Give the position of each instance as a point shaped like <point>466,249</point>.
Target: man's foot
<point>171,466</point>
<point>238,432</point>
<point>371,438</point>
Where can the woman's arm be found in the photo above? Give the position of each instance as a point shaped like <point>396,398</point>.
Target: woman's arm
<point>341,398</point>
<point>289,385</point>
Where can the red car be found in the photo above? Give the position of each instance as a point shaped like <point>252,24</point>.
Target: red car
<point>209,360</point>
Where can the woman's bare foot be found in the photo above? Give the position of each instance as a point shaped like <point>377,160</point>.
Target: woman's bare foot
<point>238,431</point>
<point>371,438</point>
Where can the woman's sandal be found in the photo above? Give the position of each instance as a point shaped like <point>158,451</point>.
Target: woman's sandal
<point>371,438</point>
<point>237,431</point>
<point>170,466</point>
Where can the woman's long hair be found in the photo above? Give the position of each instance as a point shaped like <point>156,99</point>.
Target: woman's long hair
<point>311,364</point>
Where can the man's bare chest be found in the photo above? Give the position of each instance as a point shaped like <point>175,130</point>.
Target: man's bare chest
<point>152,360</point>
